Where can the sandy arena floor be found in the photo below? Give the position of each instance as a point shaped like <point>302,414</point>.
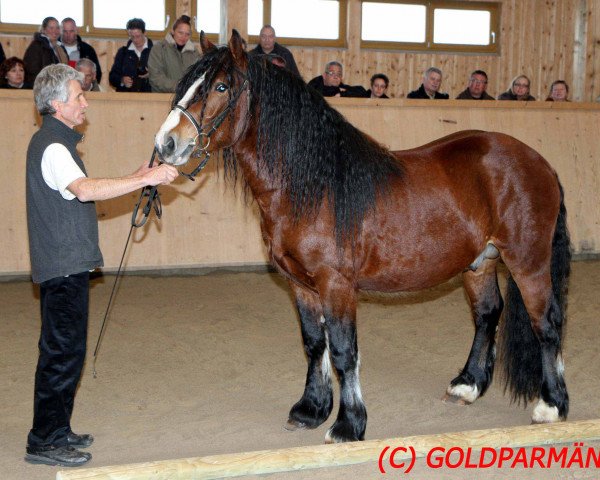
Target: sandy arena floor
<point>204,365</point>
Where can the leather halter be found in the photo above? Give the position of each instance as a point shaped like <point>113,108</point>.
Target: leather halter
<point>214,124</point>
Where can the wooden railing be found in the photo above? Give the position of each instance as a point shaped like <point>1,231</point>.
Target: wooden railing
<point>208,224</point>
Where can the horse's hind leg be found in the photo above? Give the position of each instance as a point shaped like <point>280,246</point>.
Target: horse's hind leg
<point>482,289</point>
<point>531,351</point>
<point>317,401</point>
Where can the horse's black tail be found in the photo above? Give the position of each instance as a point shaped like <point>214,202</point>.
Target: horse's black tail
<point>520,352</point>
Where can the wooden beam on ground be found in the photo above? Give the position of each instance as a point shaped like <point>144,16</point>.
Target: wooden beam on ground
<point>302,458</point>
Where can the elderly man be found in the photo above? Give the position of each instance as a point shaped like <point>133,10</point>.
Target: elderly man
<point>77,48</point>
<point>330,83</point>
<point>88,69</point>
<point>476,89</point>
<point>63,246</point>
<point>429,89</point>
<point>268,45</point>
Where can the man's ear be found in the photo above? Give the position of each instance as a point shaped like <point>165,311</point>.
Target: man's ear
<point>55,105</point>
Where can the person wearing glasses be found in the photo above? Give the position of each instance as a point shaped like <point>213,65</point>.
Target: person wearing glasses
<point>129,72</point>
<point>429,89</point>
<point>330,83</point>
<point>519,90</point>
<point>476,89</point>
<point>63,246</point>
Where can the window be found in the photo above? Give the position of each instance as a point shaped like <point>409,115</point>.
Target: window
<point>310,22</point>
<point>93,17</point>
<point>436,25</point>
<point>33,12</point>
<point>208,16</point>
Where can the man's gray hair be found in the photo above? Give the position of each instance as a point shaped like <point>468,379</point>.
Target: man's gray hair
<point>85,62</point>
<point>432,70</point>
<point>337,64</point>
<point>52,83</point>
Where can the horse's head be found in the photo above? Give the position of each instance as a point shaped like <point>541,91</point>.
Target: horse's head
<point>210,105</point>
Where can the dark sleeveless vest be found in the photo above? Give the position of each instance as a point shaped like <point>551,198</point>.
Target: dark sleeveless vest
<point>63,234</point>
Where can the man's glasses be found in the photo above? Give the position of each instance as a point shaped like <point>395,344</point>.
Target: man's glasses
<point>478,82</point>
<point>334,74</point>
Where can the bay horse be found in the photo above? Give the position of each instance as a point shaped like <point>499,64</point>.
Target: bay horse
<point>341,214</point>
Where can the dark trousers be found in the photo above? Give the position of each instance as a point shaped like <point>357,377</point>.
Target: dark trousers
<point>64,305</point>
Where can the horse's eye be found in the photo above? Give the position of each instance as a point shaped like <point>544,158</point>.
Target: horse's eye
<point>221,87</point>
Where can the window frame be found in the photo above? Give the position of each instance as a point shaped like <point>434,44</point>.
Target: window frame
<point>494,8</point>
<point>88,30</point>
<point>213,37</point>
<point>340,42</point>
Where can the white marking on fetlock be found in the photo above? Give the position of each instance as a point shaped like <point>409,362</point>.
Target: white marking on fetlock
<point>326,362</point>
<point>328,437</point>
<point>560,365</point>
<point>469,393</point>
<point>544,413</point>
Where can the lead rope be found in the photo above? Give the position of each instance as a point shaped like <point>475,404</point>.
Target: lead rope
<point>153,202</point>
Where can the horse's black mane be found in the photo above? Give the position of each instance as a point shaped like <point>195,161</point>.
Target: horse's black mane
<point>303,142</point>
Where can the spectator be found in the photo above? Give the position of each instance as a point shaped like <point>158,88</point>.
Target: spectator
<point>519,90</point>
<point>429,89</point>
<point>45,49</point>
<point>476,89</point>
<point>88,68</point>
<point>559,92</point>
<point>77,48</point>
<point>268,45</point>
<point>379,84</point>
<point>12,74</point>
<point>330,83</point>
<point>129,72</point>
<point>2,54</point>
<point>171,57</point>
<point>63,245</point>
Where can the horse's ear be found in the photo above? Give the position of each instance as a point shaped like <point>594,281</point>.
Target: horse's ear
<point>237,45</point>
<point>205,43</point>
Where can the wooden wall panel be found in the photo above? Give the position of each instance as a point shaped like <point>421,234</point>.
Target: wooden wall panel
<point>206,223</point>
<point>538,38</point>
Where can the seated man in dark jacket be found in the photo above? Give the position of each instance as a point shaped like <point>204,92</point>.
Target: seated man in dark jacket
<point>129,73</point>
<point>432,81</point>
<point>330,83</point>
<point>476,89</point>
<point>268,46</point>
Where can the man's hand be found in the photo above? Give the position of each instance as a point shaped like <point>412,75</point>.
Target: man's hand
<point>159,175</point>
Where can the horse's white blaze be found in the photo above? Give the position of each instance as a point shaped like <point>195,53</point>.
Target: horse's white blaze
<point>544,413</point>
<point>174,116</point>
<point>468,393</point>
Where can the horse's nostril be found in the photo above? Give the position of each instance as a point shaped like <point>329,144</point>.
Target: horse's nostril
<point>169,145</point>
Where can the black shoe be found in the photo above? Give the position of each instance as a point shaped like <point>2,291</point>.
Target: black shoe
<point>79,441</point>
<point>64,456</point>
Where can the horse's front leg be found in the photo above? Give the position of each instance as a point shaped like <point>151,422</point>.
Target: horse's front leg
<point>338,298</point>
<point>317,401</point>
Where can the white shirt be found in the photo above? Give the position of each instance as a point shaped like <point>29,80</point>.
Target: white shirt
<point>59,169</point>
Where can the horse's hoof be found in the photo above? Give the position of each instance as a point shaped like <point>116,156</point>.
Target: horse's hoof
<point>293,425</point>
<point>455,399</point>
